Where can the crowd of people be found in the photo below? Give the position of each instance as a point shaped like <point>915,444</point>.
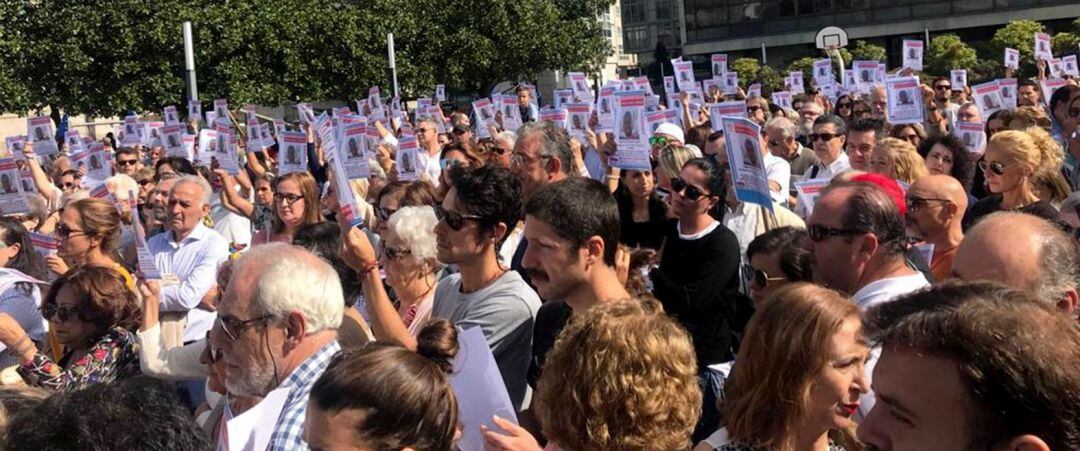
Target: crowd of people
<point>925,298</point>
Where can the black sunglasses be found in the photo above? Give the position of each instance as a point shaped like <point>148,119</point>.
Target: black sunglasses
<point>384,214</point>
<point>758,277</point>
<point>455,220</point>
<point>123,163</point>
<point>819,232</point>
<point>61,312</point>
<point>915,203</point>
<point>997,167</point>
<point>942,87</point>
<point>692,192</point>
<point>843,105</point>
<point>823,136</point>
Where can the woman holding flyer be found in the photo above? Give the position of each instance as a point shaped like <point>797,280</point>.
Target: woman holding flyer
<point>296,204</point>
<point>1013,161</point>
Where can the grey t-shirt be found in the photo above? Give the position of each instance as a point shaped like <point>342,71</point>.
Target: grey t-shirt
<point>504,311</point>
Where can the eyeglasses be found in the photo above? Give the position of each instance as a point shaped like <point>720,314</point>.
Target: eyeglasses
<point>287,199</point>
<point>773,143</point>
<point>384,214</point>
<point>65,232</point>
<point>393,253</point>
<point>519,158</point>
<point>752,108</point>
<point>692,192</point>
<point>146,182</point>
<point>68,185</point>
<point>422,131</point>
<point>915,203</point>
<point>819,232</point>
<point>498,151</point>
<point>61,312</point>
<point>122,163</point>
<point>758,277</point>
<point>843,105</point>
<point>234,327</point>
<point>449,163</point>
<point>942,87</point>
<point>455,220</point>
<point>656,141</point>
<point>215,354</point>
<point>860,112</point>
<point>459,132</point>
<point>814,137</point>
<point>997,167</point>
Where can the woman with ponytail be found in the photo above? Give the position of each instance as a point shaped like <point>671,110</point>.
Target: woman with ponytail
<point>1014,162</point>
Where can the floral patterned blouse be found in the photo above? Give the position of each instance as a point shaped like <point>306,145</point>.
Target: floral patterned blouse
<point>113,357</point>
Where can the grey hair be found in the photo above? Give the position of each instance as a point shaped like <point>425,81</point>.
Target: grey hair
<point>1059,262</point>
<point>552,140</point>
<point>291,278</point>
<point>429,119</point>
<point>415,227</point>
<point>207,191</point>
<point>507,135</point>
<point>782,124</point>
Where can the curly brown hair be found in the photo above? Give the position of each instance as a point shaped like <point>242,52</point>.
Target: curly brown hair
<point>104,298</point>
<point>621,376</point>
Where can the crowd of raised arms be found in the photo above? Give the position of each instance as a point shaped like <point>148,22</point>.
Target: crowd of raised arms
<point>911,285</point>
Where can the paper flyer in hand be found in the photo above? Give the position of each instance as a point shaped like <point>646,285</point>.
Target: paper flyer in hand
<point>913,54</point>
<point>808,192</point>
<point>987,98</point>
<point>958,78</point>
<point>97,164</point>
<point>408,164</point>
<point>154,130</point>
<point>643,83</point>
<point>207,146</point>
<point>578,119</point>
<point>632,147</point>
<point>1007,89</point>
<point>14,146</point>
<point>781,99</point>
<point>718,111</point>
<point>224,154</point>
<point>731,83</point>
<point>865,74</point>
<point>440,93</point>
<point>194,110</point>
<point>973,135</point>
<point>254,135</point>
<point>354,151</point>
<point>292,153</point>
<point>1069,67</point>
<point>130,136</point>
<point>27,179</point>
<point>905,104</point>
<point>479,389</point>
<point>211,118</point>
<point>556,116</point>
<point>823,72</point>
<point>511,114</point>
<point>719,84</point>
<point>268,139</point>
<point>562,97</point>
<point>188,142</point>
<point>45,246</point>
<point>684,75</point>
<point>719,64</point>
<point>655,118</point>
<point>604,108</point>
<point>1012,58</point>
<point>173,138</point>
<point>1050,85</point>
<point>12,200</point>
<point>484,112</point>
<point>1043,50</point>
<point>146,267</point>
<point>669,84</point>
<point>74,142</point>
<point>795,82</point>
<point>754,90</point>
<point>41,133</point>
<point>580,85</point>
<point>170,115</point>
<point>1057,68</point>
<point>305,113</point>
<point>743,147</point>
<point>221,108</point>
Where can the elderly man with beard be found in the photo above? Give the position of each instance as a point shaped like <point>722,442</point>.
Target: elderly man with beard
<point>809,113</point>
<point>159,205</point>
<point>935,210</point>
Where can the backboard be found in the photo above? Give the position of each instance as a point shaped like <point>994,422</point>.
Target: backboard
<point>831,38</point>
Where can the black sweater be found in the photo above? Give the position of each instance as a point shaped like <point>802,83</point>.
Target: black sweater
<point>698,283</point>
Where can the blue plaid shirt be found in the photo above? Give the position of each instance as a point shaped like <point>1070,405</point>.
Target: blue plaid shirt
<point>289,432</point>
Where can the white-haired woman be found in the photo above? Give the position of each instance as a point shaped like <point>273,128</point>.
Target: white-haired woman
<point>408,258</point>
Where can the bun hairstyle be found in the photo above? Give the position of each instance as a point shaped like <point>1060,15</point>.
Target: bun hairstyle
<point>396,390</point>
<point>1032,147</point>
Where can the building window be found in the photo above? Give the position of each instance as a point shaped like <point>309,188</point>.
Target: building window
<point>637,39</point>
<point>663,10</point>
<point>633,11</point>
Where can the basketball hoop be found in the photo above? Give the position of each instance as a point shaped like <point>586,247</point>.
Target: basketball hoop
<point>831,38</point>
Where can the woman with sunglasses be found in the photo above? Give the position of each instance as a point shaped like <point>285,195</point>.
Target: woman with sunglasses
<point>452,156</point>
<point>775,259</point>
<point>296,204</point>
<point>843,108</point>
<point>1013,162</point>
<point>88,232</point>
<point>93,313</point>
<point>912,133</point>
<point>698,277</point>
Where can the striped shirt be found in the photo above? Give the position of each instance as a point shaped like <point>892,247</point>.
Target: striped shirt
<point>22,301</point>
<point>289,431</point>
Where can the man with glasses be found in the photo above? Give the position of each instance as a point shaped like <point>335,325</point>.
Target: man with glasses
<point>858,246</point>
<point>127,161</point>
<point>940,110</point>
<point>828,143</point>
<point>478,213</point>
<point>935,213</point>
<point>500,150</point>
<point>427,136</point>
<point>277,330</point>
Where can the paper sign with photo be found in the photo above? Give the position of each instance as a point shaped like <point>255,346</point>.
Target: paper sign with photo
<point>1050,85</point>
<point>173,138</point>
<point>781,99</point>
<point>578,119</point>
<point>188,142</point>
<point>99,165</point>
<point>15,146</point>
<point>12,200</point>
<point>41,132</point>
<point>669,84</point>
<point>511,113</point>
<point>643,83</point>
<point>27,179</point>
<point>194,109</point>
<point>719,64</point>
<point>718,84</point>
<point>354,151</point>
<point>905,104</point>
<point>1007,90</point>
<point>580,85</point>
<point>221,108</point>
<point>223,151</point>
<point>743,145</point>
<point>292,153</point>
<point>987,97</point>
<point>1043,51</point>
<point>45,246</point>
<point>207,146</point>
<point>556,116</point>
<point>913,54</point>
<point>718,111</point>
<point>305,113</point>
<point>562,97</point>
<point>972,134</point>
<point>684,75</point>
<point>153,138</point>
<point>267,137</point>
<point>440,93</point>
<point>408,165</point>
<point>823,72</point>
<point>795,82</point>
<point>958,78</point>
<point>731,83</point>
<point>171,116</point>
<point>1057,68</point>
<point>1068,66</point>
<point>211,118</point>
<point>654,119</point>
<point>604,108</point>
<point>879,76</point>
<point>754,90</point>
<point>74,142</point>
<point>865,74</point>
<point>808,192</point>
<point>1012,58</point>
<point>632,147</point>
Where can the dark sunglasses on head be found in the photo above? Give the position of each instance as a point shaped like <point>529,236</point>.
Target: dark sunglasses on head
<point>60,312</point>
<point>455,220</point>
<point>823,136</point>
<point>819,232</point>
<point>759,277</point>
<point>997,167</point>
<point>691,192</point>
<point>146,182</point>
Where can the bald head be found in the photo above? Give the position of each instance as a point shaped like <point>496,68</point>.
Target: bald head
<point>939,186</point>
<point>1025,252</point>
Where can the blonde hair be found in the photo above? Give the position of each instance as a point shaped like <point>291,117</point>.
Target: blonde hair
<point>1032,147</point>
<point>673,157</point>
<point>621,376</point>
<point>785,348</point>
<point>1028,116</point>
<point>908,166</point>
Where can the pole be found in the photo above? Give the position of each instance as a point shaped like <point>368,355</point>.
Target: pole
<point>390,57</point>
<point>189,63</point>
<point>927,31</point>
<point>764,60</point>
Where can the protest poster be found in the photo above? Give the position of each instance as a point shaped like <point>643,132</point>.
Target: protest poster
<point>562,97</point>
<point>188,144</point>
<point>913,54</point>
<point>207,146</point>
<point>829,90</point>
<point>1008,92</point>
<point>377,112</point>
<point>484,112</point>
<point>12,200</point>
<point>45,246</point>
<point>865,74</point>
<point>1057,68</point>
<point>440,93</point>
<point>254,135</point>
<point>74,142</point>
<point>211,118</point>
<point>395,108</point>
<point>305,113</point>
<point>717,84</point>
<point>972,134</point>
<point>354,153</point>
<point>153,138</point>
<point>173,138</point>
<point>905,104</point>
<point>224,154</point>
<point>171,116</point>
<point>408,164</point>
<point>795,82</point>
<point>958,79</point>
<point>27,179</point>
<point>14,146</point>
<point>221,108</point>
<point>605,108</point>
<point>511,114</point>
<point>743,145</point>
<point>292,153</point>
<point>654,119</point>
<point>479,389</point>
<point>684,75</point>
<point>194,110</point>
<point>267,137</point>
<point>718,111</point>
<point>719,64</point>
<point>1068,66</point>
<point>580,85</point>
<point>879,76</point>
<point>731,83</point>
<point>632,147</point>
<point>98,166</point>
<point>578,119</point>
<point>808,192</point>
<point>41,133</point>
<point>1042,47</point>
<point>987,97</point>
<point>1012,58</point>
<point>781,99</point>
<point>1050,85</point>
<point>669,84</point>
<point>145,260</point>
<point>823,72</point>
<point>556,116</point>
